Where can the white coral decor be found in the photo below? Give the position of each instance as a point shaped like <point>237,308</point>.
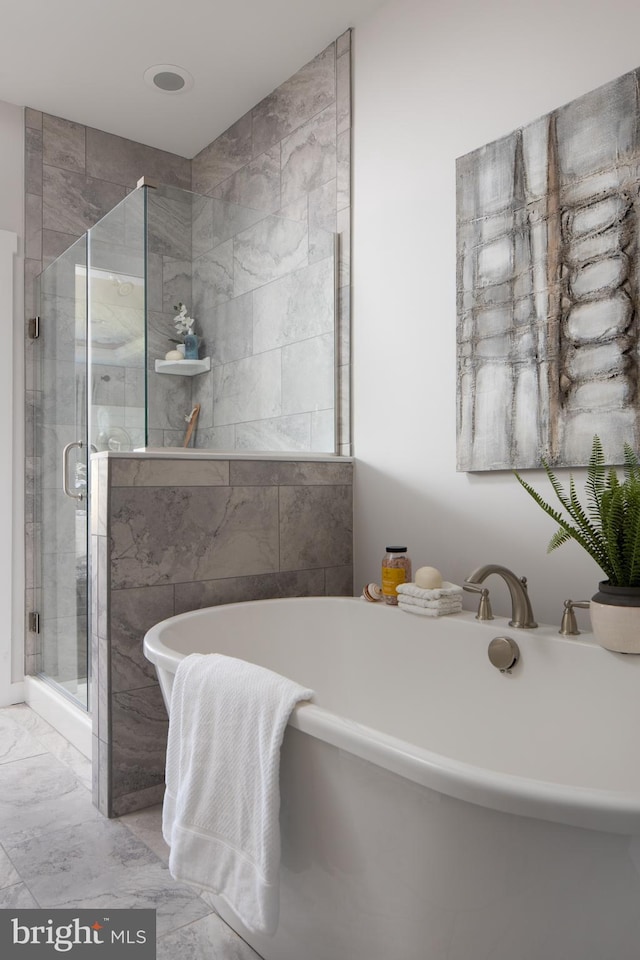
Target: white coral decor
<point>183,323</point>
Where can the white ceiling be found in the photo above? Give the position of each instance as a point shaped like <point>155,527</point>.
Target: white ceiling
<point>84,60</point>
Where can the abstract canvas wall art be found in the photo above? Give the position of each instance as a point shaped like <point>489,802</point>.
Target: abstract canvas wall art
<point>548,286</point>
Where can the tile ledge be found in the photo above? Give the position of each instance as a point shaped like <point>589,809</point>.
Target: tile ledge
<point>177,453</point>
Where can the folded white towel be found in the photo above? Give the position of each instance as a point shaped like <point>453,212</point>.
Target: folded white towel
<point>446,590</point>
<point>428,611</point>
<point>222,799</point>
<point>445,603</point>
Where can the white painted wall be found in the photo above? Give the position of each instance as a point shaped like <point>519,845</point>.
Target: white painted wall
<point>11,405</point>
<point>432,82</point>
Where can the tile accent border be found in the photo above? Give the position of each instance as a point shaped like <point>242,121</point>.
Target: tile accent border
<point>172,535</point>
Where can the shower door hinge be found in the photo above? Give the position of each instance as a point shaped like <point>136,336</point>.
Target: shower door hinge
<point>34,622</point>
<point>33,328</point>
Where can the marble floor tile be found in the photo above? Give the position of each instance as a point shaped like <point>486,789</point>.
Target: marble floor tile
<point>64,751</point>
<point>54,798</point>
<point>205,939</point>
<point>16,743</point>
<point>103,864</point>
<point>58,851</point>
<point>48,740</point>
<point>63,865</point>
<point>27,718</point>
<point>15,896</point>
<point>147,826</point>
<point>150,887</point>
<point>8,873</point>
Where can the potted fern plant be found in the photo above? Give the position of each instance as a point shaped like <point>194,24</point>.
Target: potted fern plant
<point>608,528</point>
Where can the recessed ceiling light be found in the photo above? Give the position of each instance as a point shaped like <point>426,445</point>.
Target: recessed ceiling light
<point>169,78</point>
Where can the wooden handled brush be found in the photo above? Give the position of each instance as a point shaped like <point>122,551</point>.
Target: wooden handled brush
<point>192,420</point>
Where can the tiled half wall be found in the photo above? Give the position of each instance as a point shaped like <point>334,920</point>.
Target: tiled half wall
<point>171,535</point>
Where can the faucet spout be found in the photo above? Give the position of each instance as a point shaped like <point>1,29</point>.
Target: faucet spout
<point>521,612</point>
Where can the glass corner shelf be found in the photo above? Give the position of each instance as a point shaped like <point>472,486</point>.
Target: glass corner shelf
<point>184,368</point>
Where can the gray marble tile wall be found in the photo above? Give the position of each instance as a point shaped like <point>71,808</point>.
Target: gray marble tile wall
<point>169,279</point>
<point>74,175</point>
<point>278,189</point>
<point>171,535</point>
<point>116,294</point>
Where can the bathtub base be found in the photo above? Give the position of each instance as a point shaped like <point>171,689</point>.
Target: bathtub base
<point>374,866</point>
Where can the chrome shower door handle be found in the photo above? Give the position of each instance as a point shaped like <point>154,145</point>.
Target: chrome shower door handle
<point>65,469</point>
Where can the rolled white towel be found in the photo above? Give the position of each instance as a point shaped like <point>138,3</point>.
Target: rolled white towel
<point>428,611</point>
<point>446,590</point>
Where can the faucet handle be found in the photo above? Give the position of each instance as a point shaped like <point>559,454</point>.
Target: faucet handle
<point>569,627</point>
<point>484,607</point>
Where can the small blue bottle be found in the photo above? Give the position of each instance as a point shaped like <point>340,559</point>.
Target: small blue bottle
<point>191,344</point>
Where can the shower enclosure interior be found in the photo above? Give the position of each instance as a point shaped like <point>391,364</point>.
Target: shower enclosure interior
<point>263,293</point>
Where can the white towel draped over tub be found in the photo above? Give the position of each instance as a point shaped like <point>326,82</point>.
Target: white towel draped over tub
<point>222,798</point>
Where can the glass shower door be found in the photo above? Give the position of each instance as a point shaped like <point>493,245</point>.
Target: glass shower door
<point>62,487</point>
<point>90,391</point>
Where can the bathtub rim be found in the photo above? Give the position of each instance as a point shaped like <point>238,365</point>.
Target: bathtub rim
<point>589,808</point>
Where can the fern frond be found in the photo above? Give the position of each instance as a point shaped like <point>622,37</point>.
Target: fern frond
<point>560,536</point>
<point>574,508</point>
<point>557,486</point>
<point>592,531</point>
<point>572,532</point>
<point>608,528</point>
<point>595,481</point>
<point>631,464</point>
<point>612,530</point>
<point>595,544</point>
<point>631,546</point>
<point>612,482</point>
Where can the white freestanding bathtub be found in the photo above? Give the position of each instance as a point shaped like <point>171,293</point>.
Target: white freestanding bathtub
<point>433,808</point>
